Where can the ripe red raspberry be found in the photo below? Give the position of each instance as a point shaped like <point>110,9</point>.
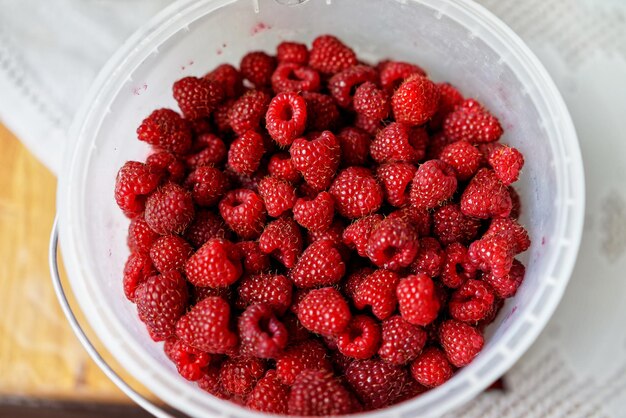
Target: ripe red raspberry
<point>507,285</point>
<point>415,101</point>
<point>205,226</point>
<point>190,362</point>
<point>321,111</point>
<point>306,355</point>
<point>243,212</point>
<point>376,383</point>
<point>278,195</point>
<point>430,258</point>
<point>361,338</point>
<point>460,342</point>
<point>165,129</point>
<point>506,162</point>
<point>282,240</point>
<point>518,235</point>
<point>354,280</point>
<point>215,264</point>
<point>292,52</point>
<point>370,101</point>
<point>457,268</point>
<point>281,167</point>
<point>433,184</point>
<point>368,125</point>
<point>438,141</point>
<point>197,97</point>
<point>449,98</point>
<point>239,375</point>
<point>248,111</point>
<point>221,117</point>
<point>402,341</point>
<point>292,77</point>
<point>210,382</point>
<point>200,293</point>
<point>257,67</point>
<point>378,291</point>
<point>356,192</point>
<point>357,235</point>
<point>355,145</point>
<point>209,185</point>
<point>140,236</point>
<point>399,142</point>
<point>229,78</point>
<point>395,179</point>
<point>246,152</point>
<point>431,368</point>
<point>451,225</point>
<point>170,168</point>
<point>471,302</point>
<point>320,264</point>
<point>317,159</point>
<point>253,259</point>
<point>285,119</point>
<point>199,127</point>
<point>329,55</point>
<point>493,253</point>
<point>315,214</point>
<point>206,326</point>
<point>418,299</point>
<point>169,209</point>
<point>516,204</point>
<point>473,123</point>
<point>262,334</point>
<point>269,395</point>
<point>463,157</point>
<point>393,73</point>
<point>274,290</point>
<point>137,269</point>
<point>485,196</point>
<point>393,244</point>
<point>170,252</point>
<point>209,149</point>
<point>133,183</point>
<point>420,218</point>
<point>342,85</point>
<point>324,311</point>
<point>161,300</point>
<point>333,234</point>
<point>319,393</point>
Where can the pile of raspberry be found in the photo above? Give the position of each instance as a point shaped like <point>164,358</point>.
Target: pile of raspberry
<point>312,235</point>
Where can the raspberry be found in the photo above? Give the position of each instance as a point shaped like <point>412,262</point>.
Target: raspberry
<point>463,157</point>
<point>324,311</point>
<point>431,368</point>
<point>210,382</point>
<point>398,142</point>
<point>209,185</point>
<point>319,265</point>
<point>221,117</point>
<point>451,225</point>
<point>354,280</point>
<point>307,355</point>
<point>507,285</point>
<point>274,290</point>
<point>433,184</point>
<point>376,383</point>
<point>257,67</point>
<point>281,167</point>
<point>161,300</point>
<point>321,111</point>
<point>140,236</point>
<point>282,240</point>
<point>471,302</point>
<point>402,341</point>
<point>246,152</point>
<point>254,260</point>
<point>248,111</point>
<point>295,78</point>
<point>199,127</point>
<point>197,97</point>
<point>370,101</point>
<point>244,181</point>
<point>190,362</point>
<point>493,253</point>
<point>368,125</point>
<point>393,73</point>
<point>356,192</point>
<point>292,52</point>
<point>229,78</point>
<point>169,209</point>
<point>420,218</point>
<point>206,326</point>
<point>262,334</point>
<point>243,212</point>
<point>315,214</point>
<point>360,339</point>
<point>518,235</point>
<point>200,293</point>
<point>317,159</point>
<point>358,233</point>
<point>457,268</point>
<point>137,269</point>
<point>506,163</point>
<point>430,258</point>
<point>215,264</point>
<point>393,244</point>
<point>342,85</point>
<point>205,226</point>
<point>239,375</point>
<point>134,181</point>
<point>395,179</point>
<point>318,393</point>
<point>278,195</point>
<point>285,119</point>
<point>418,300</point>
<point>473,123</point>
<point>355,145</point>
<point>269,395</point>
<point>211,151</point>
<point>449,98</point>
<point>516,204</point>
<point>171,168</point>
<point>415,101</point>
<point>378,291</point>
<point>329,55</point>
<point>165,129</point>
<point>333,234</point>
<point>170,252</point>
<point>438,141</point>
<point>460,342</point>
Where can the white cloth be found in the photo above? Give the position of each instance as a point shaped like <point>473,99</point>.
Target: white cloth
<point>577,368</point>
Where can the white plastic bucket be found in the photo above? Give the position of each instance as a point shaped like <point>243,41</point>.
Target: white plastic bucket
<point>454,40</point>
